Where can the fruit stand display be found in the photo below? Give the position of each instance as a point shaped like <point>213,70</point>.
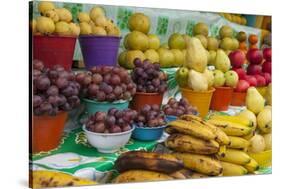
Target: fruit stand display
<point>160,97</point>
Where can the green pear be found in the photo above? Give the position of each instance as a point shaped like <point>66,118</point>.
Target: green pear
<point>201,28</point>
<point>182,76</point>
<point>231,78</point>
<point>151,55</point>
<point>176,41</point>
<point>219,78</point>
<point>254,100</point>
<point>153,41</point>
<point>166,58</point>
<point>222,61</point>
<point>264,120</point>
<point>196,56</point>
<point>249,115</point>
<point>179,57</point>
<point>197,81</point>
<point>268,94</point>
<point>137,41</point>
<point>210,77</point>
<point>212,57</point>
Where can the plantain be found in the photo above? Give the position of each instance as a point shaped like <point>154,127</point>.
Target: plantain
<point>141,176</point>
<point>177,175</point>
<point>191,174</point>
<point>236,157</point>
<point>222,150</point>
<point>252,166</point>
<point>238,143</point>
<point>200,163</point>
<point>186,143</point>
<point>192,128</point>
<point>43,179</point>
<point>165,163</point>
<point>231,129</point>
<point>230,169</point>
<point>234,119</point>
<point>221,137</point>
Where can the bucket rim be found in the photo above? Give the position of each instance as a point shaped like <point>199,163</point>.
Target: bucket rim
<point>189,90</point>
<point>99,36</point>
<point>147,94</point>
<point>55,36</point>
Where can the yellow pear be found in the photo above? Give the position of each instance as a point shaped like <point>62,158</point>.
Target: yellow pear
<point>52,14</point>
<point>33,26</point>
<point>212,44</point>
<point>96,30</point>
<point>44,6</point>
<point>85,28</point>
<point>83,17</point>
<point>201,29</point>
<point>268,94</point>
<point>114,31</point>
<point>249,115</point>
<point>139,22</point>
<point>100,21</point>
<point>222,61</point>
<point>209,76</point>
<point>166,58</point>
<point>257,144</point>
<point>264,120</point>
<point>152,55</point>
<point>95,12</point>
<point>197,81</point>
<point>196,57</point>
<point>186,39</point>
<point>62,28</point>
<point>268,141</point>
<point>137,41</point>
<point>203,40</point>
<point>45,25</point>
<point>212,57</point>
<point>74,29</point>
<point>254,100</point>
<point>225,31</point>
<point>179,57</point>
<point>64,14</point>
<point>226,43</point>
<point>153,41</point>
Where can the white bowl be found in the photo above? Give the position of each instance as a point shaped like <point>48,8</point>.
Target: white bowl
<point>108,142</point>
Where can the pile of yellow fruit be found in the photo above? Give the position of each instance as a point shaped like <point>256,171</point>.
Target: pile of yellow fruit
<point>54,20</point>
<point>96,23</point>
<point>236,18</point>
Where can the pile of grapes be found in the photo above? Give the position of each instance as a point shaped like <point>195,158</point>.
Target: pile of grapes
<point>150,116</point>
<point>178,108</point>
<point>106,83</point>
<point>148,77</point>
<point>54,89</point>
<point>114,121</point>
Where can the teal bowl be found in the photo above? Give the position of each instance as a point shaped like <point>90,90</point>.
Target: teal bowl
<point>148,133</point>
<point>93,106</point>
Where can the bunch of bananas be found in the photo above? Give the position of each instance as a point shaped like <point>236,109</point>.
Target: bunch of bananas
<point>236,161</point>
<point>215,147</point>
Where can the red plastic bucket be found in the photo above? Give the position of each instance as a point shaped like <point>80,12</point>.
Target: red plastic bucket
<point>140,99</point>
<point>47,131</point>
<point>221,98</point>
<point>54,50</point>
<point>99,50</point>
<point>238,99</point>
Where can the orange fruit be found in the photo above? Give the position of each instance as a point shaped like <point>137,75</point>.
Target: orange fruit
<point>243,45</point>
<point>253,46</point>
<point>253,39</point>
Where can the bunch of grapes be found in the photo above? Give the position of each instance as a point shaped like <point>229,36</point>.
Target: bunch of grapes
<point>54,89</point>
<point>106,83</point>
<point>148,77</point>
<point>114,121</point>
<point>150,116</point>
<point>178,108</point>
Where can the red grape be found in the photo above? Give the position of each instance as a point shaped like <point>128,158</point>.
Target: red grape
<point>43,83</point>
<point>38,64</point>
<point>37,100</point>
<point>62,82</point>
<point>101,96</point>
<point>93,89</point>
<point>97,78</point>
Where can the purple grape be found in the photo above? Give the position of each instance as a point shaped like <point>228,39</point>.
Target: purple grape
<point>68,91</point>
<point>62,83</point>
<point>117,90</point>
<point>111,97</point>
<point>108,89</point>
<point>37,100</point>
<point>101,96</point>
<point>97,78</point>
<point>115,79</point>
<point>38,64</point>
<point>137,62</point>
<point>43,83</point>
<point>45,107</point>
<point>52,90</point>
<point>100,116</point>
<point>119,114</point>
<point>93,89</point>
<point>110,120</point>
<point>112,111</point>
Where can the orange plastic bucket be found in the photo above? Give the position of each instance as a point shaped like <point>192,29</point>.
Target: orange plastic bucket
<point>221,98</point>
<point>140,99</point>
<point>238,99</point>
<point>199,99</point>
<point>47,131</point>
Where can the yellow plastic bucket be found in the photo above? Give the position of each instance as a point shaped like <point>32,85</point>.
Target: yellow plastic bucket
<point>200,99</point>
<point>264,159</point>
<point>262,90</point>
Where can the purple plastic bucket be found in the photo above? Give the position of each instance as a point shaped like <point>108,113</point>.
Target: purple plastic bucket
<point>99,50</point>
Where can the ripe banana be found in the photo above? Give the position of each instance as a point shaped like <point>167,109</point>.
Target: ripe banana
<point>43,179</point>
<point>141,176</point>
<point>252,166</point>
<point>192,128</point>
<point>165,163</point>
<point>230,169</point>
<point>186,143</point>
<point>191,174</point>
<point>200,163</point>
<point>234,119</point>
<point>250,135</point>
<point>221,137</point>
<point>177,175</point>
<point>231,129</point>
<point>236,157</point>
<point>222,151</point>
<point>238,143</point>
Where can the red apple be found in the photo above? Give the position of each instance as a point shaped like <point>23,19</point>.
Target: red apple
<point>254,56</point>
<point>266,67</point>
<point>242,86</point>
<point>241,72</point>
<point>254,69</point>
<point>260,80</point>
<point>267,54</point>
<point>267,77</point>
<point>237,58</point>
<point>251,80</point>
